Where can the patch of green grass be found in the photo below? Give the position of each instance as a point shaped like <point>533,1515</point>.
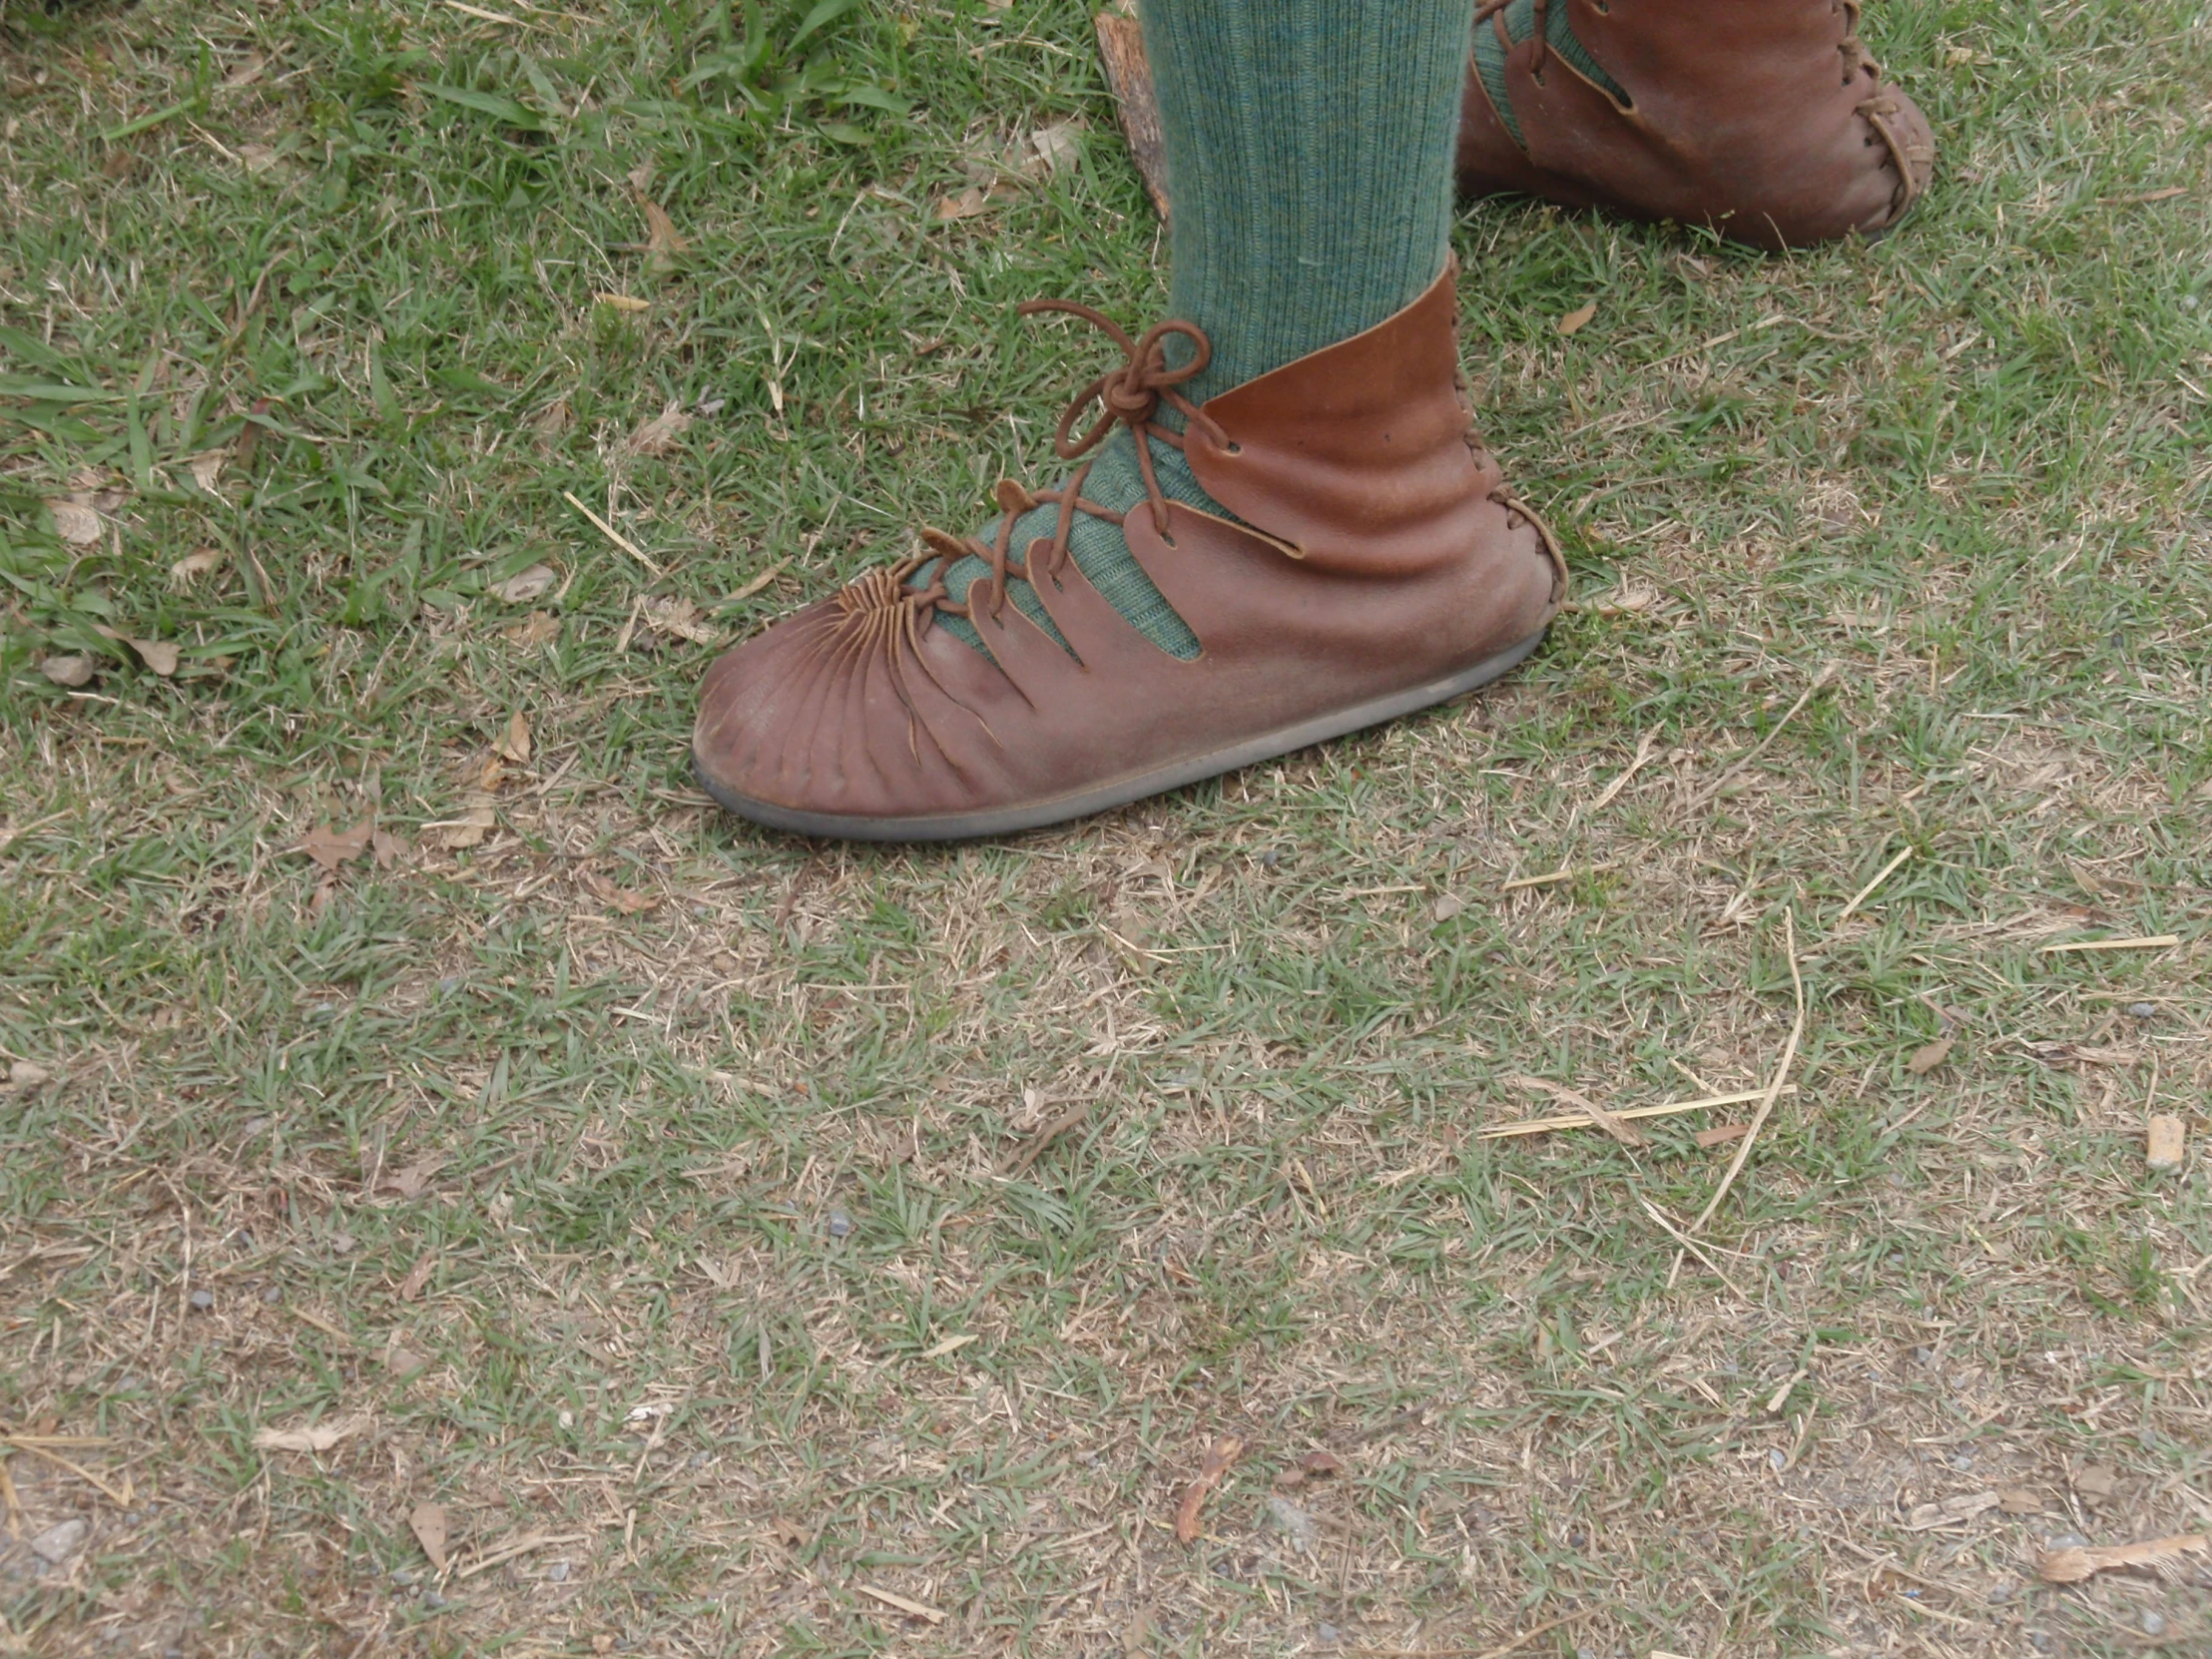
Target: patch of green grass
<point>702,1172</point>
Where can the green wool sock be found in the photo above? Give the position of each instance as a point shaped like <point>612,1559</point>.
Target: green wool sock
<point>1308,152</point>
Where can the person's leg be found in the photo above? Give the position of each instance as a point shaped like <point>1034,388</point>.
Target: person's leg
<point>1291,532</point>
<point>1311,144</point>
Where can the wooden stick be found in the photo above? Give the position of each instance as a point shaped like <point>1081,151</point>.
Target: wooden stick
<point>892,1598</point>
<point>1866,891</point>
<point>1541,1126</point>
<point>1539,881</point>
<point>1774,1088</point>
<point>2151,942</point>
<point>616,537</point>
<point>1129,76</point>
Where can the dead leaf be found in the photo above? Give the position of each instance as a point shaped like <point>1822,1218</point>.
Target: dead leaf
<point>515,744</point>
<point>661,241</point>
<point>538,627</point>
<point>1926,1060</point>
<point>76,522</point>
<point>207,468</point>
<point>2096,1481</point>
<point>1951,1511</point>
<point>419,1277</point>
<point>194,565</point>
<point>525,585</point>
<point>1629,598</point>
<point>404,1362</point>
<point>320,1437</point>
<point>2070,1566</point>
<point>387,848</point>
<point>2018,1501</point>
<point>157,655</point>
<point>1577,320</point>
<point>1721,1134</point>
<point>26,1075</point>
<point>623,302</point>
<point>1053,147</point>
<point>966,204</point>
<point>414,1180</point>
<point>1045,1135</point>
<point>257,157</point>
<point>1448,906</point>
<point>1136,1635</point>
<point>1313,1467</point>
<point>657,435</point>
<point>640,177</point>
<point>246,72</point>
<point>469,829</point>
<point>71,671</point>
<point>427,1521</point>
<point>331,848</point>
<point>2164,1143</point>
<point>681,618</point>
<point>1218,1457</point>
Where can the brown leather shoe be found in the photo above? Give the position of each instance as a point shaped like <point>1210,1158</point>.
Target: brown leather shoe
<point>1380,566</point>
<point>1764,119</point>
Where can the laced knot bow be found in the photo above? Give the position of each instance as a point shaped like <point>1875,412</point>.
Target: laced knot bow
<point>1129,395</point>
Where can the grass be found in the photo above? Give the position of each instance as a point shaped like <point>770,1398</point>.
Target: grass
<point>635,1182</point>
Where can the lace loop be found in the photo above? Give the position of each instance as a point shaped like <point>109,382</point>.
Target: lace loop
<point>1130,397</point>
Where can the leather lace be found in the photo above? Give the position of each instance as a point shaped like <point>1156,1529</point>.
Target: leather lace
<point>1129,395</point>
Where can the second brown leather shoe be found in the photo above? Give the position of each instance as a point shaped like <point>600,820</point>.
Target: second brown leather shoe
<point>1375,564</point>
<point>1764,119</point>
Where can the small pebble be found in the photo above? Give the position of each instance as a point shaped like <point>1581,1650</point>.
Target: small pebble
<point>841,1225</point>
<point>430,1599</point>
<point>1778,1458</point>
<point>2154,1624</point>
<point>2067,1540</point>
<point>58,1543</point>
<point>401,1575</point>
<point>272,1295</point>
<point>558,1573</point>
<point>1330,1635</point>
<point>2142,1011</point>
<point>203,1299</point>
<point>1267,860</point>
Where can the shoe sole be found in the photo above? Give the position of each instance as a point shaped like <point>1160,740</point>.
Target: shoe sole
<point>1035,815</point>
